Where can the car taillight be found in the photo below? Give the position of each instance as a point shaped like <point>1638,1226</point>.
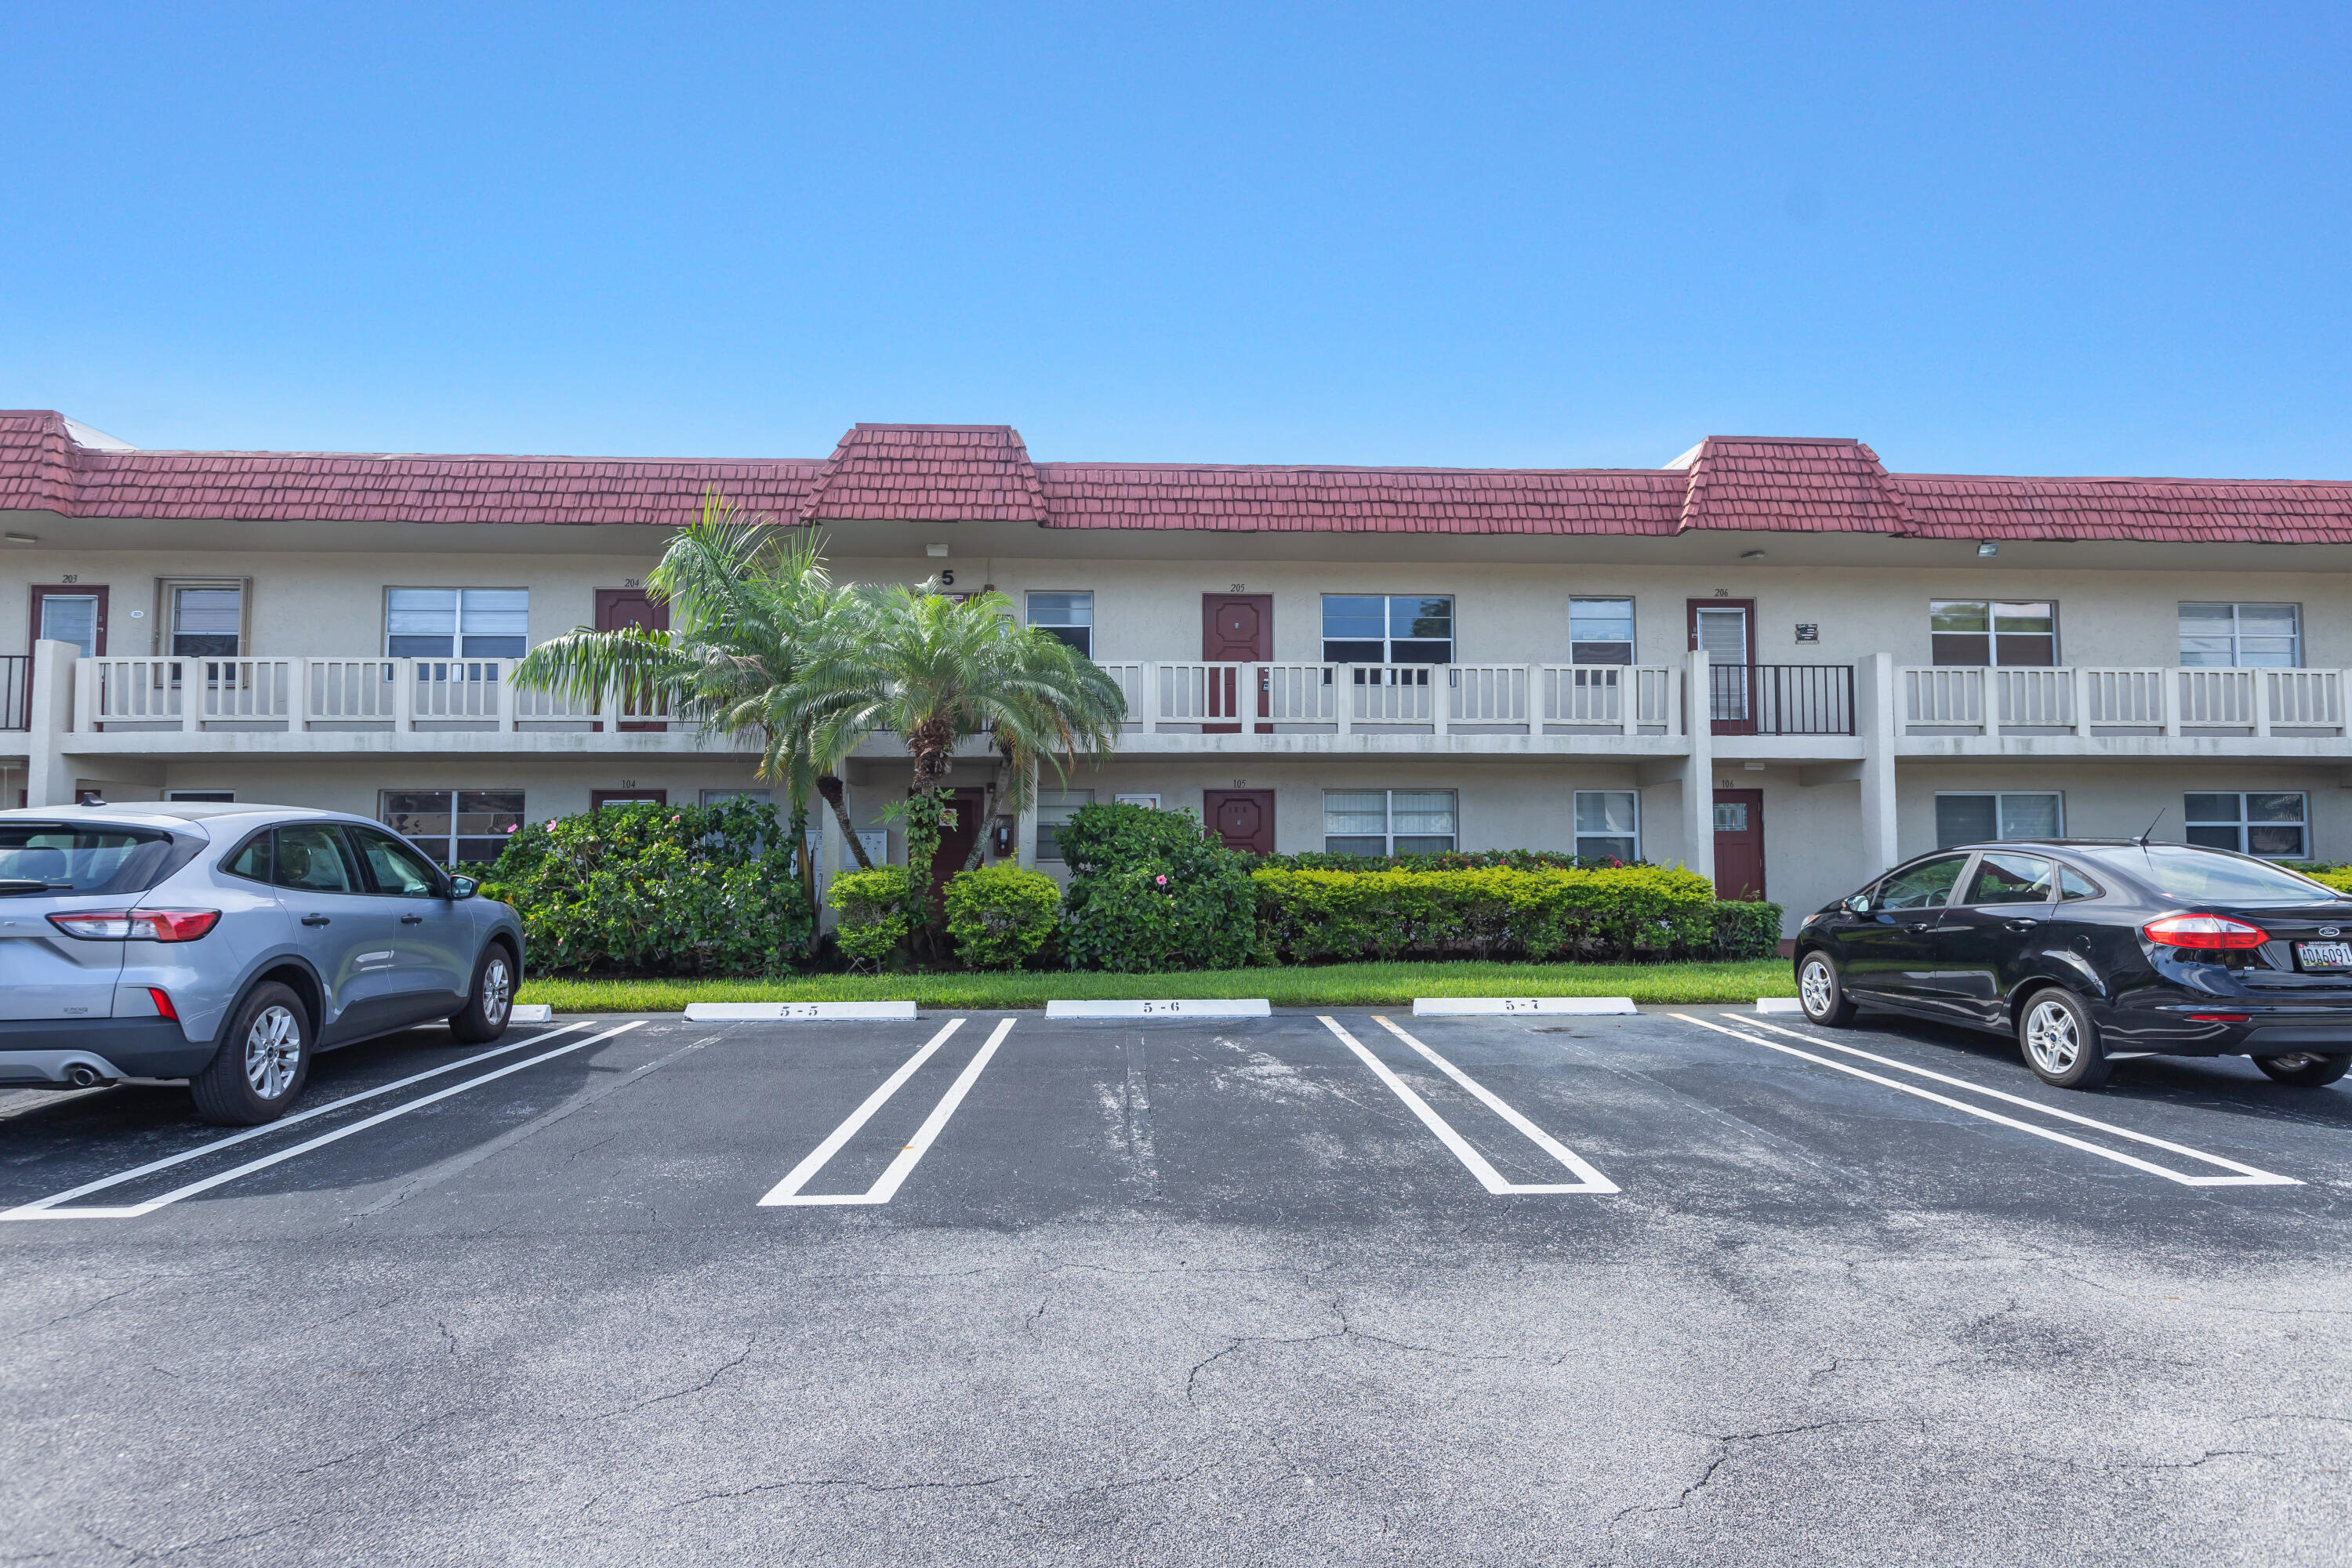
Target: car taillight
<point>136,925</point>
<point>2203,931</point>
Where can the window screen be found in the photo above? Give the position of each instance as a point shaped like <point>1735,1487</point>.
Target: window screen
<point>1600,631</point>
<point>1993,631</point>
<point>1609,824</point>
<point>206,622</point>
<point>1971,818</point>
<point>1056,807</point>
<point>1389,821</point>
<point>2273,824</point>
<point>1388,629</point>
<point>454,826</point>
<point>2258,634</point>
<point>456,622</point>
<point>1068,616</point>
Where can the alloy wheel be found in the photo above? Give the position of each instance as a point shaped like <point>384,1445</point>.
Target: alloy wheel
<point>273,1050</point>
<point>498,991</point>
<point>1814,988</point>
<point>2052,1037</point>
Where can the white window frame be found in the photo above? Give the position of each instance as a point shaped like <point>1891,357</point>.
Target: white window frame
<point>1992,636</point>
<point>2238,637</point>
<point>1388,641</point>
<point>1576,838</point>
<point>167,604</point>
<point>457,617</point>
<point>1387,821</point>
<point>444,849</point>
<point>1028,609</point>
<point>1061,804</point>
<point>1633,628</point>
<point>1999,798</point>
<point>2244,825</point>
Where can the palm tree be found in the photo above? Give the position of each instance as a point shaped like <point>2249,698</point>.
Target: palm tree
<point>937,671</point>
<point>750,605</point>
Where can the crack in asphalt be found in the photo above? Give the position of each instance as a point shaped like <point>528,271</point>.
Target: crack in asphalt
<point>1727,1445</point>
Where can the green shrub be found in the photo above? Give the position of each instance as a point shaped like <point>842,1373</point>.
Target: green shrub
<point>1607,913</point>
<point>1149,890</point>
<point>1743,929</point>
<point>876,909</point>
<point>1448,861</point>
<point>657,889</point>
<point>1001,915</point>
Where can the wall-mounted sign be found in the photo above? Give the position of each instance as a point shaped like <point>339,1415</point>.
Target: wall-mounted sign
<point>1808,631</point>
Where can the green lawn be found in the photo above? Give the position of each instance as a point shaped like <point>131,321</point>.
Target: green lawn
<point>1334,985</point>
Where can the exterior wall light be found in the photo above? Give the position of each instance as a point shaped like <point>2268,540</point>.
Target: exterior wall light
<point>1988,548</point>
<point>1751,555</point>
<point>937,552</point>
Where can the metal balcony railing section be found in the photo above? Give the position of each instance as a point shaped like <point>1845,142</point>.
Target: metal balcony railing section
<point>194,694</point>
<point>1441,697</point>
<point>2082,701</point>
<point>16,691</point>
<point>1781,699</point>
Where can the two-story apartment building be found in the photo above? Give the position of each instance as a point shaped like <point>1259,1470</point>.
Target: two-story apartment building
<point>1770,659</point>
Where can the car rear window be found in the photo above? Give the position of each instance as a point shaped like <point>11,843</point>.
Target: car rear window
<point>2207,876</point>
<point>74,858</point>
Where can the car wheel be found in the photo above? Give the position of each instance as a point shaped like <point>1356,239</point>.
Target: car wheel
<point>263,1061</point>
<point>490,1003</point>
<point>2060,1042</point>
<point>1821,993</point>
<point>2304,1069</point>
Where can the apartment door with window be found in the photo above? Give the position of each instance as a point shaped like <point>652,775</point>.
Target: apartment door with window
<point>1739,844</point>
<point>1243,818</point>
<point>72,614</point>
<point>619,607</point>
<point>970,808</point>
<point>1725,630</point>
<point>1235,628</point>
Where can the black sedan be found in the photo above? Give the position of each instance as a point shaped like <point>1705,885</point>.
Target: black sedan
<point>2093,949</point>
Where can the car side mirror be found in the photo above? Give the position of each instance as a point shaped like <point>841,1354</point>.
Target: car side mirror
<point>1858,905</point>
<point>463,886</point>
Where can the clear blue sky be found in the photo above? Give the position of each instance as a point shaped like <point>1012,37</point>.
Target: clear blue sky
<point>2042,240</point>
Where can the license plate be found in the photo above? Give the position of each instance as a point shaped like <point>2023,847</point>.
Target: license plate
<point>2311,955</point>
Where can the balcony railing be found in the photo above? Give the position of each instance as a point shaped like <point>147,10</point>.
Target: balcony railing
<point>1781,699</point>
<point>2082,701</point>
<point>1209,698</point>
<point>16,691</point>
<point>196,694</point>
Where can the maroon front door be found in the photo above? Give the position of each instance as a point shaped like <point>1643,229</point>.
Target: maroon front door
<point>970,806</point>
<point>1243,818</point>
<point>618,607</point>
<point>1724,629</point>
<point>1739,844</point>
<point>1235,628</point>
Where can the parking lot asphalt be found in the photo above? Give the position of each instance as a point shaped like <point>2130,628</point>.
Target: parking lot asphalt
<point>1689,1287</point>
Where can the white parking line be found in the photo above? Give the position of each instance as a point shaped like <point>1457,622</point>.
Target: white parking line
<point>2246,1176</point>
<point>1588,1179</point>
<point>787,1193</point>
<point>47,1208</point>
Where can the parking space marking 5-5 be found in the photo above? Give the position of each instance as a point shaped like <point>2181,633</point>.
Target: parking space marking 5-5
<point>1589,1180</point>
<point>787,1193</point>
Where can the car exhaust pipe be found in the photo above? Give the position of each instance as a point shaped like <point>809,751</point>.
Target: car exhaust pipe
<point>81,1075</point>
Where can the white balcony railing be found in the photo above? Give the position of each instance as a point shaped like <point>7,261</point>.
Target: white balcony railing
<point>2082,700</point>
<point>1439,699</point>
<point>196,694</point>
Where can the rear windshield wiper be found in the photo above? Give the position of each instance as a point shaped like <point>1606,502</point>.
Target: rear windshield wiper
<point>14,887</point>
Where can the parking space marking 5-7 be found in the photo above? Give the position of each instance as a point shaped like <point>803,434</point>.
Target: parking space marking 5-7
<point>1589,1180</point>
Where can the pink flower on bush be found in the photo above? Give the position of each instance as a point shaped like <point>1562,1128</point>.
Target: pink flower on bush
<point>1161,881</point>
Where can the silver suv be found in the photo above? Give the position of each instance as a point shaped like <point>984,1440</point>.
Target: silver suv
<point>226,944</point>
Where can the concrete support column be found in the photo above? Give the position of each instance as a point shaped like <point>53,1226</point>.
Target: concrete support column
<point>1874,715</point>
<point>48,776</point>
<point>1698,769</point>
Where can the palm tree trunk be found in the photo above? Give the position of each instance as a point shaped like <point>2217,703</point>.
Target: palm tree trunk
<point>829,786</point>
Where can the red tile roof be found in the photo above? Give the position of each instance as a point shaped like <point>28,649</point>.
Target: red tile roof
<point>950,473</point>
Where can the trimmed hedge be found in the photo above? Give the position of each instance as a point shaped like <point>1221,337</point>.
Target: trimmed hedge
<point>1609,912</point>
<point>1001,915</point>
<point>658,889</point>
<point>2336,877</point>
<point>1449,861</point>
<point>1745,931</point>
<point>1150,891</point>
<point>876,910</point>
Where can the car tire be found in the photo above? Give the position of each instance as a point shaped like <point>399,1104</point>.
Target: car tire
<point>489,1004</point>
<point>2059,1041</point>
<point>263,1061</point>
<point>1821,992</point>
<point>2304,1069</point>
